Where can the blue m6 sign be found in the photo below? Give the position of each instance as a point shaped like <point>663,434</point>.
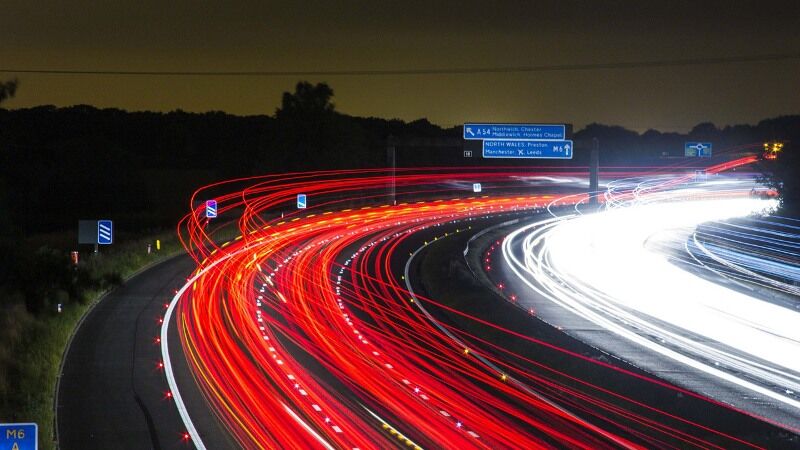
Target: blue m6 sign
<point>19,436</point>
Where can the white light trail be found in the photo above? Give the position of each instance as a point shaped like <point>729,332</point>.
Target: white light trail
<point>611,268</point>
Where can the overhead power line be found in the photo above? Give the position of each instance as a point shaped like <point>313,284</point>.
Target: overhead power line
<point>422,71</point>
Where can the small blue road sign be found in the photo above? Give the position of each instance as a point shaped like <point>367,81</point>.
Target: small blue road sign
<point>105,232</point>
<point>19,436</point>
<point>301,201</point>
<point>211,209</point>
<point>529,131</point>
<point>701,149</point>
<point>528,149</point>
<point>476,187</point>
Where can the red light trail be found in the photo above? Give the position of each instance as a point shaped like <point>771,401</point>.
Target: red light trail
<point>301,333</point>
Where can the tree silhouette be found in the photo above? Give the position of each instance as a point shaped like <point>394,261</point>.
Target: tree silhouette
<point>8,89</point>
<point>705,130</point>
<point>311,134</point>
<point>308,100</point>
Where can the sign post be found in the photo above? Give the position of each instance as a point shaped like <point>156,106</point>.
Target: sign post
<point>105,232</point>
<point>528,149</point>
<point>519,131</point>
<point>211,209</point>
<point>521,140</point>
<point>19,436</point>
<point>701,149</point>
<point>87,232</point>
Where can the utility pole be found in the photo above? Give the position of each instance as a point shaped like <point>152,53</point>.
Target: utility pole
<point>391,155</point>
<point>594,172</point>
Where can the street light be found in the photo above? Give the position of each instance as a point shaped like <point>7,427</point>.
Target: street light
<point>771,149</point>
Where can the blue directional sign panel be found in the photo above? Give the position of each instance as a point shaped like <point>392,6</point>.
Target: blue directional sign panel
<point>528,149</point>
<point>301,201</point>
<point>476,187</point>
<point>19,436</point>
<point>211,209</point>
<point>514,131</point>
<point>105,232</point>
<point>702,149</point>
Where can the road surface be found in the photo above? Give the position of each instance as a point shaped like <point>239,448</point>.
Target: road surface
<point>112,393</point>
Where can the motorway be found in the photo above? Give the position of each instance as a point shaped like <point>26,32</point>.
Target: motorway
<point>327,327</point>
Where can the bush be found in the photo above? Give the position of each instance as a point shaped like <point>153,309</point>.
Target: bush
<point>112,280</point>
<point>14,322</point>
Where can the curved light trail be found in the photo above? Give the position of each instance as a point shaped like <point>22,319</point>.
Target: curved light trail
<point>760,252</point>
<point>617,269</point>
<point>302,332</point>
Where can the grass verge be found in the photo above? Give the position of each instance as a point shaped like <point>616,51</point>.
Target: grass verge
<point>33,345</point>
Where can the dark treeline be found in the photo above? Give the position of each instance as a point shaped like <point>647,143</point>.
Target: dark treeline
<point>59,165</point>
<point>620,145</point>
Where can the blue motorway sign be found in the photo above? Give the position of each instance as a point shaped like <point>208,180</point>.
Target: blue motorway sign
<point>19,436</point>
<point>301,201</point>
<point>514,131</point>
<point>105,232</point>
<point>702,149</point>
<point>211,209</point>
<point>528,149</point>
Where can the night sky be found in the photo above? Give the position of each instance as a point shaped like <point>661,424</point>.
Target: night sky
<point>150,35</point>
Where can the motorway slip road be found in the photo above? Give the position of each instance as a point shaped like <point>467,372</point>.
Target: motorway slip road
<point>112,392</point>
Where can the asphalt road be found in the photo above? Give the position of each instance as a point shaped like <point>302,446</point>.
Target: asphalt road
<point>112,393</point>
